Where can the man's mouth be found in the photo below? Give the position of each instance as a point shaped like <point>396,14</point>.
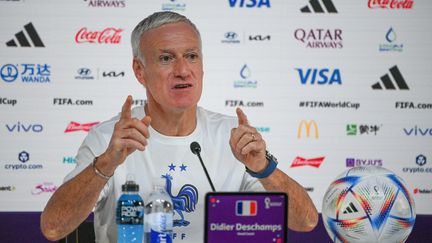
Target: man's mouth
<point>182,86</point>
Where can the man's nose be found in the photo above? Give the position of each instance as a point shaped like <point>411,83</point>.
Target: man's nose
<point>181,68</point>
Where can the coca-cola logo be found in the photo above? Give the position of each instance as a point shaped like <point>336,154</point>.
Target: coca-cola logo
<point>393,4</point>
<point>44,187</point>
<point>106,36</point>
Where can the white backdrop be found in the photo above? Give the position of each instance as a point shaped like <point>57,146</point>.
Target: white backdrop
<point>282,65</point>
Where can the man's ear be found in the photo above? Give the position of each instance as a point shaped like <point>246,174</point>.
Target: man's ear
<point>138,69</point>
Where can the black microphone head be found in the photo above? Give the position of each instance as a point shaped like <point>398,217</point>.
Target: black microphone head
<point>195,147</point>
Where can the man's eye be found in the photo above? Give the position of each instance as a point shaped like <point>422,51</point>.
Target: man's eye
<point>193,57</point>
<point>166,59</point>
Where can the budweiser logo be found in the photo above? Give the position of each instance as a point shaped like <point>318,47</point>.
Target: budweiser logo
<point>106,36</point>
<point>314,162</point>
<point>75,126</point>
<point>407,4</point>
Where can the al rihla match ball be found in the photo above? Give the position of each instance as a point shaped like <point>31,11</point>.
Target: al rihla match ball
<point>368,204</point>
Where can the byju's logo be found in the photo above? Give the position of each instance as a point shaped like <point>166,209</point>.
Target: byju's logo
<point>319,76</point>
<point>245,82</point>
<point>307,126</point>
<point>106,3</point>
<point>22,127</point>
<point>362,129</point>
<point>23,40</point>
<point>320,38</point>
<point>388,83</point>
<point>418,131</point>
<point>352,162</point>
<point>391,46</point>
<point>31,73</point>
<point>231,37</point>
<point>249,3</point>
<point>318,8</point>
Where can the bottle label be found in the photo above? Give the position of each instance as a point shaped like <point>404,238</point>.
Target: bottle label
<point>131,214</point>
<point>160,227</point>
<point>160,237</point>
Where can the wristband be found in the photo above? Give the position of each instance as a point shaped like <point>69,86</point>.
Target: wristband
<point>268,170</point>
<point>98,172</point>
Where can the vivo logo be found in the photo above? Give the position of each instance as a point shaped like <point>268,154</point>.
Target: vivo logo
<point>319,76</point>
<point>417,131</point>
<point>19,127</point>
<point>249,3</point>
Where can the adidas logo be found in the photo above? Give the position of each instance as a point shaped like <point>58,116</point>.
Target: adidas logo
<point>387,82</point>
<point>23,40</point>
<point>350,209</point>
<point>318,8</point>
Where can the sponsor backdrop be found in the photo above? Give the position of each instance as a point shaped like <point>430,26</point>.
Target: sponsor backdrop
<point>330,84</point>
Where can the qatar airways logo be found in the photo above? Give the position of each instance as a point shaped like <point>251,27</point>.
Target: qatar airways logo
<point>314,162</point>
<point>106,36</point>
<point>75,126</point>
<point>392,4</point>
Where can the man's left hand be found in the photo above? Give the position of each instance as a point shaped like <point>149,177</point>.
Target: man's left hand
<point>248,145</point>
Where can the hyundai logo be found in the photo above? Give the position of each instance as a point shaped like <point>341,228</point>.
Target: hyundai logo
<point>231,35</point>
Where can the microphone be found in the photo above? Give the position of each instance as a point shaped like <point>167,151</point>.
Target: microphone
<point>196,149</point>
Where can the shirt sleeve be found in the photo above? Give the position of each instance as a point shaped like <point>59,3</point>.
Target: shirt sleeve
<point>93,145</point>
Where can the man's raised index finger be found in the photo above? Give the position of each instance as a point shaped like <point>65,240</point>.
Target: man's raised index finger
<point>242,118</point>
<point>126,109</point>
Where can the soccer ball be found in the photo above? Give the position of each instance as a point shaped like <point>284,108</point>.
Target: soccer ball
<point>368,204</point>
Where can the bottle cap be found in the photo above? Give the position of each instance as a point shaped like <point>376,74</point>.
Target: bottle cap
<point>130,185</point>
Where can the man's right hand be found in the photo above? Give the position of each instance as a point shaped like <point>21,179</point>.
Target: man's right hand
<point>129,134</point>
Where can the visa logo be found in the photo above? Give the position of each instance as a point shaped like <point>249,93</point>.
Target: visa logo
<point>319,76</point>
<point>20,127</point>
<point>246,208</point>
<point>249,3</point>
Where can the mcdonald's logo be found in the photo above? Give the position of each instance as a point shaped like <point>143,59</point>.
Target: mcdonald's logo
<point>307,125</point>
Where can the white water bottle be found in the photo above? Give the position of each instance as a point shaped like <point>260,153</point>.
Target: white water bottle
<point>158,220</point>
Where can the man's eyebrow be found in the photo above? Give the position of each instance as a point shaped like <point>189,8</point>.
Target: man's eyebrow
<point>195,49</point>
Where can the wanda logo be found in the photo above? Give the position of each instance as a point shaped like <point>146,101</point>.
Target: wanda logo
<point>392,4</point>
<point>106,36</point>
